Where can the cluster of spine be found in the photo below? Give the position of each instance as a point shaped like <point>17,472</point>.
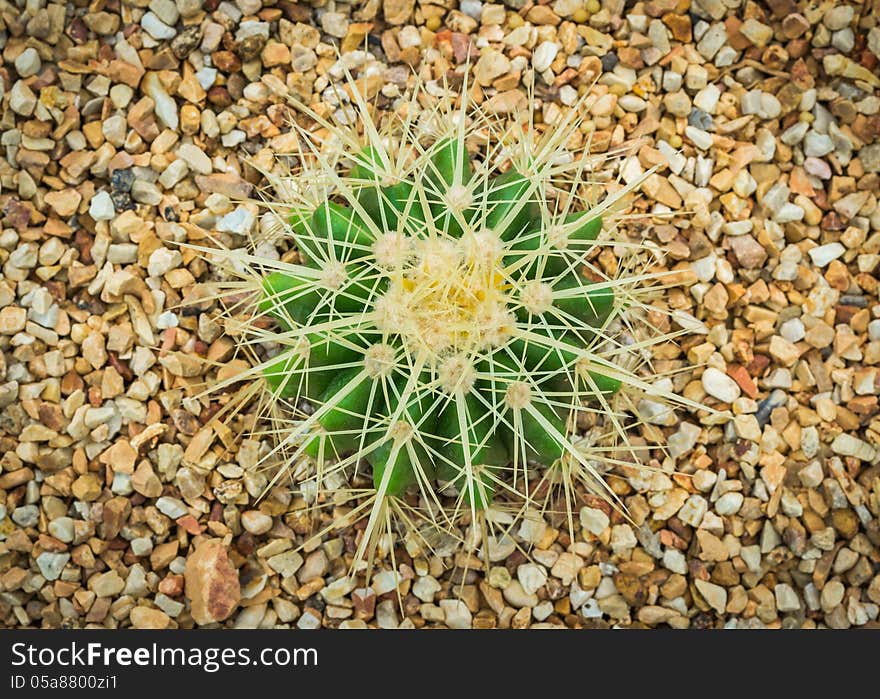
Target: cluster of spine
<point>443,319</point>
<point>436,333</point>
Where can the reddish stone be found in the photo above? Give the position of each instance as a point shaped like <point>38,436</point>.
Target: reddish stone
<point>670,538</point>
<point>758,364</point>
<point>18,215</point>
<point>463,48</point>
<point>171,585</point>
<point>211,583</point>
<point>227,61</point>
<point>739,374</point>
<point>190,525</point>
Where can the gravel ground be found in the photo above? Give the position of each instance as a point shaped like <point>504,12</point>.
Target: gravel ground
<point>125,130</point>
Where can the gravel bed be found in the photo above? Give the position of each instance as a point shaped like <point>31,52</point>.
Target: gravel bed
<point>131,128</point>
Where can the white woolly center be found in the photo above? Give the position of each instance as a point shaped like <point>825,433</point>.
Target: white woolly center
<point>456,374</point>
<point>536,297</point>
<point>451,295</point>
<point>391,249</point>
<point>459,197</point>
<point>379,360</point>
<point>400,431</point>
<point>557,236</point>
<point>333,275</point>
<point>518,395</point>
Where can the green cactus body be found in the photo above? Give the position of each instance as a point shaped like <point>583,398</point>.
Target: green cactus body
<point>384,202</point>
<point>469,449</point>
<point>450,173</point>
<point>403,455</point>
<point>307,370</point>
<point>575,228</point>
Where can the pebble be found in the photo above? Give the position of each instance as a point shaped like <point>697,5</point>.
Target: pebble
<point>142,546</point>
<point>135,583</point>
<point>385,581</point>
<point>52,564</point>
<point>456,614</point>
<point>594,520</point>
<point>531,576</point>
<point>162,260</point>
<point>675,561</point>
<point>715,595</point>
<point>472,8</point>
<point>817,145</point>
<point>870,158</point>
<point>22,100</point>
<point>777,162</point>
<point>838,17</point>
<point>756,32</point>
<point>517,597</point>
<point>729,504</point>
<point>683,440</point>
<point>148,618</point>
<point>156,28</point>
<point>171,507</point>
<point>211,583</point>
<point>335,24</point>
<point>832,595</point>
<point>107,584</point>
<point>426,587</point>
<point>702,122</point>
<point>786,598</point>
<point>712,40</point>
<point>720,385</point>
<point>101,207</point>
<point>195,158</point>
<point>622,538</point>
<point>569,97</point>
<point>543,55</point>
<point>286,564</point>
<point>823,255</point>
<point>28,63</point>
<point>693,510</point>
<point>171,607</point>
<point>62,529</point>
<point>491,65</point>
<point>848,445</point>
<point>256,522</point>
<point>26,515</point>
<point>793,330</point>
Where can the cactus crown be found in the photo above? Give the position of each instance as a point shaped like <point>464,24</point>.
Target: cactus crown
<point>451,313</point>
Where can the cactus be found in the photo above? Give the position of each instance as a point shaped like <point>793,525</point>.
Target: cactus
<point>456,297</point>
